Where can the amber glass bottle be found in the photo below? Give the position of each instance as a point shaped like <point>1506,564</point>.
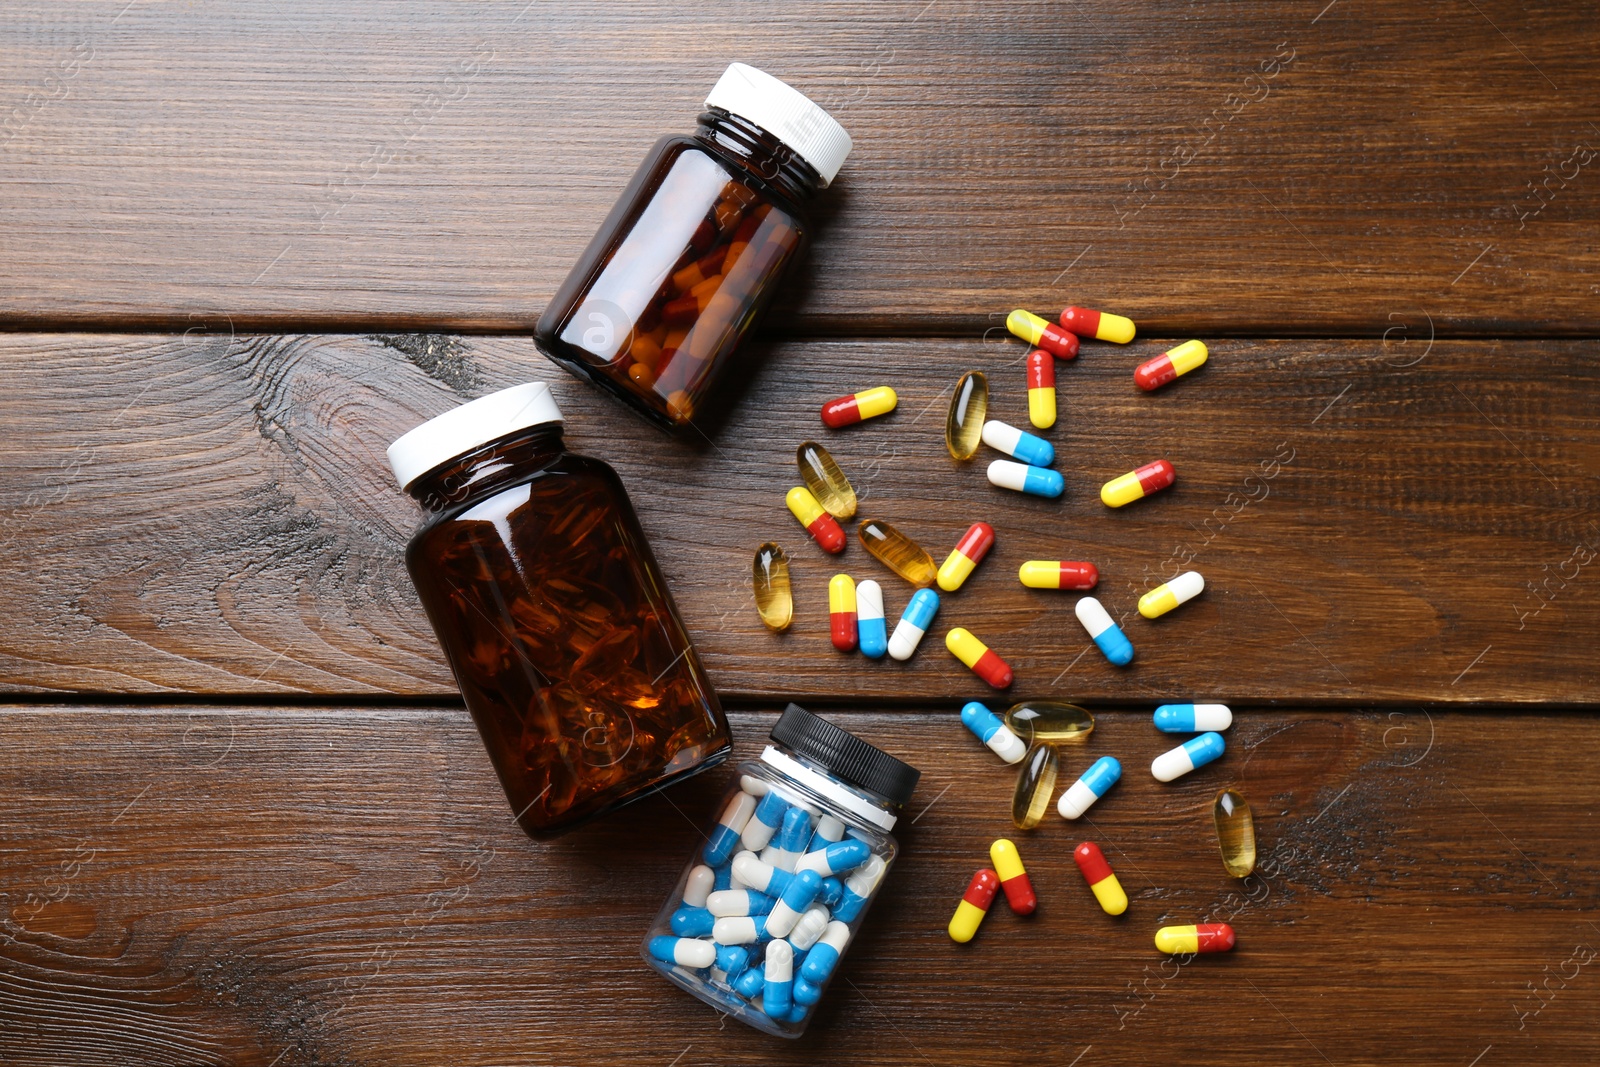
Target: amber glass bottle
<point>695,247</point>
<point>552,612</point>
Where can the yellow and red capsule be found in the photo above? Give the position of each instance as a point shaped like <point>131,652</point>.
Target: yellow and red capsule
<point>968,553</point>
<point>1047,335</point>
<point>1205,937</point>
<point>823,528</point>
<point>1102,880</point>
<point>974,905</point>
<point>1058,574</point>
<point>1041,389</point>
<point>979,658</point>
<point>1013,877</point>
<point>842,612</point>
<point>1101,325</point>
<point>867,404</point>
<point>1138,484</point>
<point>1171,364</point>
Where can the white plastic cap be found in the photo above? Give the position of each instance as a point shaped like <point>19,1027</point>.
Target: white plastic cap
<point>470,426</point>
<point>784,112</point>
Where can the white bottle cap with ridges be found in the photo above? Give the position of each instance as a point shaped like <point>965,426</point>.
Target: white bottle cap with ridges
<point>784,112</point>
<point>472,425</point>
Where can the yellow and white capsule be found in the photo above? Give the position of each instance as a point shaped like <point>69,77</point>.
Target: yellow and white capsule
<point>1163,598</point>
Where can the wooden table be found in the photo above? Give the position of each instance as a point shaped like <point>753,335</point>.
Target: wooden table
<point>246,820</point>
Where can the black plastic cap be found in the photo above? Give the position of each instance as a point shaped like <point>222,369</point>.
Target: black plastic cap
<point>845,755</point>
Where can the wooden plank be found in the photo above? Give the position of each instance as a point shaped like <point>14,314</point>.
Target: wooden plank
<point>1307,170</point>
<point>215,515</point>
<point>268,886</point>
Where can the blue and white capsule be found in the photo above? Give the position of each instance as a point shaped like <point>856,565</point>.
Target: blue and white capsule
<point>738,902</point>
<point>731,962</point>
<point>768,816</point>
<point>692,922</point>
<point>725,837</point>
<point>1018,444</point>
<point>829,830</point>
<point>914,622</point>
<point>683,951</point>
<point>837,858</point>
<point>740,930</point>
<point>1195,752</point>
<point>778,970</point>
<point>858,887</point>
<point>824,955</point>
<point>1081,795</point>
<point>872,633</point>
<point>1022,478</point>
<point>1192,718</point>
<point>812,925</point>
<point>797,897</point>
<point>724,877</point>
<point>749,983</point>
<point>791,840</point>
<point>806,992</point>
<point>987,727</point>
<point>698,886</point>
<point>832,892</point>
<point>762,877</point>
<point>1104,631</point>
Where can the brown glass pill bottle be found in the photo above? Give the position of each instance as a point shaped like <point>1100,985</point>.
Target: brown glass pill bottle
<point>695,248</point>
<point>553,615</point>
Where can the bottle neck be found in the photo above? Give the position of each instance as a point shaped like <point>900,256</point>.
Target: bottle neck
<point>765,157</point>
<point>486,469</point>
<point>864,806</point>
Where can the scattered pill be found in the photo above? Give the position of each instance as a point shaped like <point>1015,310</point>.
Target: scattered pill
<point>969,407</point>
<point>1050,722</point>
<point>965,557</point>
<point>770,578</point>
<point>1192,718</point>
<point>837,858</point>
<point>823,528</point>
<point>1041,389</point>
<point>824,954</point>
<point>726,902</point>
<point>797,897</point>
<point>1104,631</point>
<point>974,905</point>
<point>1137,484</point>
<point>725,835</point>
<point>1013,877</point>
<point>1206,937</point>
<point>1163,598</point>
<point>779,975</point>
<point>692,922</point>
<point>987,727</point>
<point>872,631</point>
<point>768,816</point>
<point>858,887</point>
<point>868,404</point>
<point>897,552</point>
<point>914,622</point>
<point>1058,574</point>
<point>1081,795</point>
<point>1193,753</point>
<point>1101,325</point>
<point>1236,832</point>
<point>979,657</point>
<point>1018,444</point>
<point>1172,364</point>
<point>698,886</point>
<point>1035,481</point>
<point>1047,335</point>
<point>842,612</point>
<point>827,482</point>
<point>683,951</point>
<point>1102,880</point>
<point>1036,783</point>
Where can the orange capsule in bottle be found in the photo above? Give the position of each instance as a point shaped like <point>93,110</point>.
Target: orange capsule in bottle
<point>1041,389</point>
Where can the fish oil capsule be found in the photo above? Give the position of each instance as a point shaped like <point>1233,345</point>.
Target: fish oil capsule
<point>1236,832</point>
<point>824,955</point>
<point>1163,598</point>
<point>1058,574</point>
<point>914,622</point>
<point>979,658</point>
<point>1101,325</point>
<point>841,857</point>
<point>692,922</point>
<point>683,951</point>
<point>797,897</point>
<point>1102,880</point>
<point>896,551</point>
<point>823,528</point>
<point>1021,478</point>
<point>1081,795</point>
<point>1205,937</point>
<point>858,887</point>
<point>698,886</point>
<point>1170,365</point>
<point>969,407</point>
<point>974,906</point>
<point>1018,444</point>
<point>1192,718</point>
<point>1047,335</point>
<point>1137,484</point>
<point>965,557</point>
<point>871,630</point>
<point>1050,722</point>
<point>1041,389</point>
<point>1036,783</point>
<point>768,816</point>
<point>827,482</point>
<point>868,404</point>
<point>779,979</point>
<point>1105,633</point>
<point>842,612</point>
<point>725,836</point>
<point>987,727</point>
<point>770,578</point>
<point>1013,877</point>
<point>1193,753</point>
<point>726,902</point>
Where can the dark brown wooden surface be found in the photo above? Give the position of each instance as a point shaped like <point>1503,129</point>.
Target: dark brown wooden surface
<point>214,885</point>
<point>1299,168</point>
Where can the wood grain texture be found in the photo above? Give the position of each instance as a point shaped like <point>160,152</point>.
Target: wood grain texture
<point>1375,521</point>
<point>319,886</point>
<point>1216,168</point>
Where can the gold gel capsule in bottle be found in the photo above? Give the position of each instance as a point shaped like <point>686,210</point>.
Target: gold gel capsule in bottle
<point>1236,832</point>
<point>897,552</point>
<point>770,576</point>
<point>825,480</point>
<point>1036,781</point>
<point>1049,722</point>
<point>963,427</point>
